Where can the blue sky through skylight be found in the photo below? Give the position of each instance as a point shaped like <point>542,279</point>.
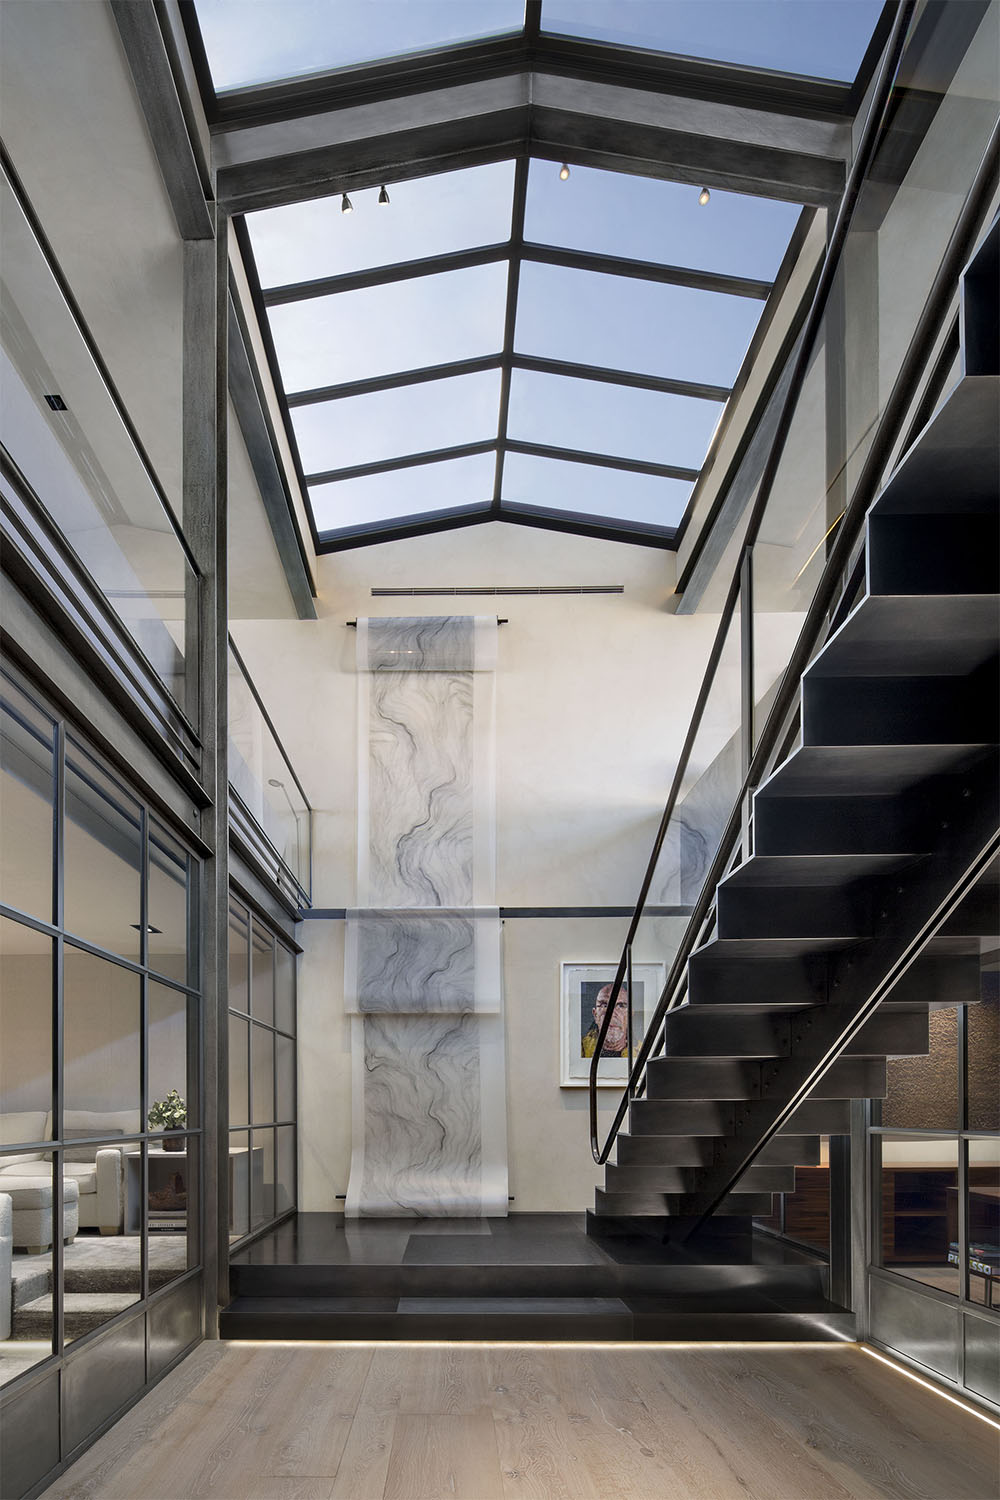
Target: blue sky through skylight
<point>557,484</point>
<point>447,485</point>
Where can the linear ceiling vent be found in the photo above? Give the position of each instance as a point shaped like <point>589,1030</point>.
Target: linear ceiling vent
<point>495,590</point>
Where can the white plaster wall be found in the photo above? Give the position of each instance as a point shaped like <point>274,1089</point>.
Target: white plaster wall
<point>594,695</point>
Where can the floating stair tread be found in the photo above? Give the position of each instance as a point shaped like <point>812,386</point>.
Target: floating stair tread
<point>776,871</point>
<point>867,770</point>
<point>912,636</point>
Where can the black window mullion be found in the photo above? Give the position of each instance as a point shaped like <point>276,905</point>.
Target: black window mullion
<point>58,1050</point>
<point>510,319</point>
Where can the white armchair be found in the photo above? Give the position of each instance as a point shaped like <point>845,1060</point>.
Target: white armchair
<point>98,1171</point>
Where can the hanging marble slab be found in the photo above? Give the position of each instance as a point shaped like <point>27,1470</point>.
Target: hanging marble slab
<point>423,973</point>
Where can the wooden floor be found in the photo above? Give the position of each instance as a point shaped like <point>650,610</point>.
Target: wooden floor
<point>550,1422</point>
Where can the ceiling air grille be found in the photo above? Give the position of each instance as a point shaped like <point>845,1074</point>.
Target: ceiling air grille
<point>495,590</point>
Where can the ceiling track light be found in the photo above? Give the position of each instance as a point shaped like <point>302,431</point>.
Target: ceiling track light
<point>563,173</point>
<point>383,196</point>
<point>704,196</point>
<point>346,206</point>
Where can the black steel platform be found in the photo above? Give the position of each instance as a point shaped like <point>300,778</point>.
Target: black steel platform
<point>526,1277</point>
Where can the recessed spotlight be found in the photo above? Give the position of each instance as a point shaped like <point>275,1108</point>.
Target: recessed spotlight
<point>346,206</point>
<point>563,173</point>
<point>704,196</point>
<point>383,196</point>
<point>56,403</point>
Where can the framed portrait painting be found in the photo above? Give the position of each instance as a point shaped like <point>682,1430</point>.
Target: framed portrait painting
<point>586,990</point>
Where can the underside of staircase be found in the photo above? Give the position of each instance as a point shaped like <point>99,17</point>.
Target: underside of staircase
<point>877,824</point>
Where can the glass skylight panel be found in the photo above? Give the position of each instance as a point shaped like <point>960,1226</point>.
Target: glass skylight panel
<point>387,329</point>
<point>405,419</point>
<point>261,41</point>
<point>428,216</point>
<point>400,493</point>
<point>820,38</point>
<point>557,484</point>
<point>623,324</point>
<point>640,218</point>
<point>600,418</point>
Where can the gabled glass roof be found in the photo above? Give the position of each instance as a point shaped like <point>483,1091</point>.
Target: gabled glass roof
<point>501,339</point>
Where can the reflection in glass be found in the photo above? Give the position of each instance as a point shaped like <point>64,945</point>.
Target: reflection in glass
<point>169,888</point>
<point>284,1188</point>
<point>592,490</point>
<point>262,980</point>
<point>239,1182</point>
<point>390,424</point>
<point>642,218</point>
<point>103,857</point>
<point>239,957</point>
<point>172,1029</point>
<point>825,41</point>
<point>983,1051</point>
<point>284,1078</point>
<point>430,216</point>
<point>284,988</point>
<point>983,1210</point>
<point>262,1203</point>
<point>288,38</point>
<point>923,1091</point>
<point>27,796</point>
<point>101,1044</point>
<point>239,1071</point>
<point>622,324</point>
<point>919,1197</point>
<point>618,420</point>
<point>26,1229</point>
<point>454,484</point>
<point>262,1062</point>
<point>25,1034</point>
<point>171,1193</point>
<point>384,329</point>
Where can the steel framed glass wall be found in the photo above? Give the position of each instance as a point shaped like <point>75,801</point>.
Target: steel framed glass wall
<point>262,1067</point>
<point>100,1074</point>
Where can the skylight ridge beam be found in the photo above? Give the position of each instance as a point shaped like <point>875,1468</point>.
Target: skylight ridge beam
<point>580,523</point>
<point>368,533</point>
<point>404,270</point>
<point>648,270</point>
<point>697,390</point>
<point>376,383</point>
<point>602,460</point>
<point>405,461</point>
<point>519,209</point>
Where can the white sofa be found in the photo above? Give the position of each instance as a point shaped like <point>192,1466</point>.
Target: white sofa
<point>97,1171</point>
<point>6,1264</point>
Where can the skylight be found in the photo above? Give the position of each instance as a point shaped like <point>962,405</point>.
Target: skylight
<point>500,338</point>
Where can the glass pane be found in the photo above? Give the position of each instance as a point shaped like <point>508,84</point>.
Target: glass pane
<point>983,1051</point>
<point>25,1034</point>
<point>285,1077</point>
<point>923,1091</point>
<point>641,218</point>
<point>284,988</point>
<point>289,38</point>
<point>102,1046</point>
<point>556,484</point>
<point>391,424</point>
<point>262,1202</point>
<point>384,329</point>
<point>824,40</point>
<point>239,1182</point>
<point>172,1032</point>
<point>623,324</point>
<point>428,216</point>
<point>103,857</point>
<point>31,1285</point>
<point>265,784</point>
<point>453,484</point>
<point>262,987</point>
<point>170,1205</point>
<point>284,1187</point>
<point>81,461</point>
<point>598,417</point>
<point>169,888</point>
<point>262,1061</point>
<point>239,958</point>
<point>984,1221</point>
<point>239,1071</point>
<point>102,1269</point>
<point>27,799</point>
<point>919,1187</point>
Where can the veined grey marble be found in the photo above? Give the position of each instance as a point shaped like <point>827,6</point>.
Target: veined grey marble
<point>423,956</point>
<point>703,815</point>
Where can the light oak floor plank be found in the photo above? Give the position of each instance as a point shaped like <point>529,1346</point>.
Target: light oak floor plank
<point>538,1422</point>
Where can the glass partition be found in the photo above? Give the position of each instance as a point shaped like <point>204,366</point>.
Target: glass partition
<point>65,432</point>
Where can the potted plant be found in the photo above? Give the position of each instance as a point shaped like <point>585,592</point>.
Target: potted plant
<point>169,1114</point>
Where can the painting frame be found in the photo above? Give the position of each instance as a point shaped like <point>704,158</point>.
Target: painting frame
<point>579,986</point>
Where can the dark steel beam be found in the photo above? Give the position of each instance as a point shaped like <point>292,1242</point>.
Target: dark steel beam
<point>393,382</point>
<point>153,77</point>
<point>510,320</point>
<point>407,526</point>
<point>647,270</point>
<point>355,281</point>
<point>662,383</point>
<point>408,461</point>
<point>601,460</point>
<point>605,528</point>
